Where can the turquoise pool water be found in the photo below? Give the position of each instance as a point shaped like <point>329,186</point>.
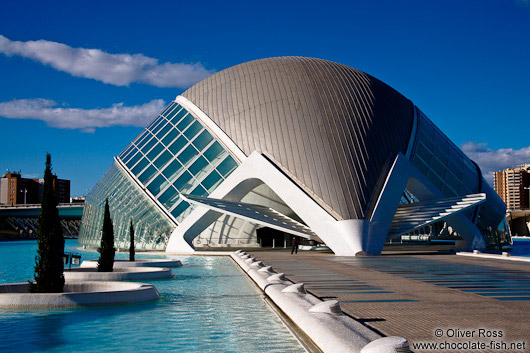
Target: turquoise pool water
<point>210,306</point>
<point>521,247</point>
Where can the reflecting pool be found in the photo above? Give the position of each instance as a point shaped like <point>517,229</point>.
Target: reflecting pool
<point>210,306</point>
<point>521,247</point>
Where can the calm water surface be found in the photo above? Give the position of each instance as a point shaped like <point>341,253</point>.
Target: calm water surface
<point>521,247</point>
<point>210,306</point>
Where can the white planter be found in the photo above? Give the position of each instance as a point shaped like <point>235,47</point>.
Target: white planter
<point>16,295</point>
<point>136,263</point>
<point>118,274</point>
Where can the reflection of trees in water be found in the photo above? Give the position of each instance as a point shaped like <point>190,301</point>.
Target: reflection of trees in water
<point>49,331</point>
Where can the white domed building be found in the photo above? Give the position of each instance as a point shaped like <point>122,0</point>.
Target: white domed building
<point>292,146</point>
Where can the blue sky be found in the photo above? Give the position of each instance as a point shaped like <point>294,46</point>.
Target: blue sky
<point>79,81</point>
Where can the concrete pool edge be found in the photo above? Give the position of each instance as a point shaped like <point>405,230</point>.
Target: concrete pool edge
<point>303,339</point>
<point>136,263</point>
<point>494,256</point>
<point>16,295</point>
<point>321,321</point>
<point>118,274</point>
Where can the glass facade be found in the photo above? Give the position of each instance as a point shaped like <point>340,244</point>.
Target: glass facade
<point>126,202</point>
<point>175,155</point>
<point>444,164</point>
<point>454,174</point>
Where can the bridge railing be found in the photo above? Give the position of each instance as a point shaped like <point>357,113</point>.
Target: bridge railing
<point>37,205</point>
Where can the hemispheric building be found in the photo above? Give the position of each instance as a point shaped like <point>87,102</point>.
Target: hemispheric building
<point>295,146</point>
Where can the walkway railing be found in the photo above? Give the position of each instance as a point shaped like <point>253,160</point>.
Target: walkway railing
<point>37,205</point>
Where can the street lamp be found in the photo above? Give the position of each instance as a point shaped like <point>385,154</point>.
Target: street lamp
<point>25,191</point>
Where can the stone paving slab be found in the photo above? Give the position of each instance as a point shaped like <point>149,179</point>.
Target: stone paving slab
<point>414,308</point>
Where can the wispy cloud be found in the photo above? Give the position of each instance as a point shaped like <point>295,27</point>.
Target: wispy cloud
<point>116,69</point>
<point>491,160</point>
<point>84,119</point>
<point>30,175</point>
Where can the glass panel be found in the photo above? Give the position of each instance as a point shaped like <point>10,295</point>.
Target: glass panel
<point>441,153</point>
<point>185,122</point>
<point>154,152</point>
<point>199,191</point>
<point>140,137</point>
<point>172,113</point>
<point>426,141</point>
<point>132,151</point>
<point>133,160</point>
<point>164,131</point>
<point>125,152</point>
<point>452,181</point>
<point>226,166</point>
<point>170,137</point>
<point>168,108</point>
<point>149,145</point>
<point>447,191</point>
<point>438,167</point>
<point>185,213</point>
<point>144,139</point>
<point>157,184</point>
<point>214,153</point>
<point>157,128</point>
<point>454,154</point>
<point>441,142</point>
<point>421,166</point>
<point>184,182</point>
<point>169,197</point>
<point>180,209</point>
<point>162,159</point>
<point>155,122</point>
<point>178,145</point>
<point>172,170</point>
<point>202,140</point>
<point>141,165</point>
<point>193,130</point>
<point>147,174</point>
<point>436,181</point>
<point>179,116</point>
<point>424,153</point>
<point>455,169</point>
<point>127,202</point>
<point>211,181</point>
<point>470,182</point>
<point>465,190</point>
<point>200,167</point>
<point>188,153</point>
<point>470,166</point>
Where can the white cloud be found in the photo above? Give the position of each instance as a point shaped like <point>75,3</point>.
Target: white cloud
<point>116,69</point>
<point>30,175</point>
<point>84,119</point>
<point>491,160</point>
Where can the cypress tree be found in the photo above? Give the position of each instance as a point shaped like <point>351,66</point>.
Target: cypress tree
<point>49,265</point>
<point>131,247</point>
<point>106,250</point>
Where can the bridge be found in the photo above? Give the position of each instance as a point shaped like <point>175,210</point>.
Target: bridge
<point>21,221</point>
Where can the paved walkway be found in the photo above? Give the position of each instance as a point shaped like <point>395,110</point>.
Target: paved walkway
<point>413,295</point>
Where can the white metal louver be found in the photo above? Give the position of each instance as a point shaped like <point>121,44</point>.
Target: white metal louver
<point>417,215</point>
<point>262,215</point>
